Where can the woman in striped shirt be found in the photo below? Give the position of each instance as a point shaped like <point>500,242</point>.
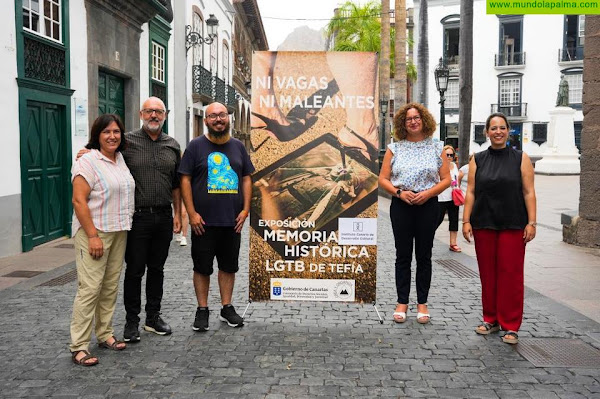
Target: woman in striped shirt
<point>103,191</point>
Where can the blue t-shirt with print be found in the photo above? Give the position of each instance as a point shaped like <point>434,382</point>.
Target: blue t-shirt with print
<point>217,171</point>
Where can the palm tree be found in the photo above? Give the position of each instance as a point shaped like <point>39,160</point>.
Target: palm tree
<point>465,81</point>
<point>423,54</point>
<point>356,27</point>
<point>400,70</point>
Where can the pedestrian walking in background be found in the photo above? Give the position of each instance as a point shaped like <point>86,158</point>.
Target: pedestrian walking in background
<point>445,201</point>
<point>500,215</point>
<point>216,187</point>
<point>414,171</point>
<point>103,204</point>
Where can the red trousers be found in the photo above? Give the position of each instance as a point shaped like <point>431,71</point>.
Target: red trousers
<point>501,256</point>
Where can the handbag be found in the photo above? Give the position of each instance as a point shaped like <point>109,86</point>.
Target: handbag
<point>457,195</point>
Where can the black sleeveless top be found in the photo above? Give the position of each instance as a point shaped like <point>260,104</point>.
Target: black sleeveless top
<point>499,202</point>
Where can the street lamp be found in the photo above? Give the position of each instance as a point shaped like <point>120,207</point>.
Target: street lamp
<point>193,38</point>
<point>442,73</point>
<point>383,106</point>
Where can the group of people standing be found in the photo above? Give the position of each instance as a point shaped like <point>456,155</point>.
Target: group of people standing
<point>127,200</point>
<point>499,214</point>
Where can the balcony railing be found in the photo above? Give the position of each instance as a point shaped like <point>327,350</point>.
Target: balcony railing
<point>230,100</point>
<point>507,59</point>
<point>219,85</point>
<point>202,81</point>
<point>511,110</point>
<point>570,54</point>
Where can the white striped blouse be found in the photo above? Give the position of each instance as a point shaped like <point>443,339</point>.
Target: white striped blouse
<point>111,199</point>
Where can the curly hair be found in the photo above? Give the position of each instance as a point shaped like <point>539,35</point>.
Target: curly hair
<point>427,119</point>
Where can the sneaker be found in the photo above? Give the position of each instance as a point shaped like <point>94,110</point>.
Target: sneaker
<point>131,333</point>
<point>155,324</point>
<point>229,315</point>
<point>183,241</point>
<point>201,321</point>
<point>178,237</point>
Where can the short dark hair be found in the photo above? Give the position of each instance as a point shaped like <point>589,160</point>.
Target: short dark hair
<point>427,120</point>
<point>99,125</point>
<point>496,115</point>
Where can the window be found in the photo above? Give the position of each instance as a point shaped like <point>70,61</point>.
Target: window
<point>510,91</point>
<point>479,134</point>
<point>575,87</point>
<point>451,38</point>
<point>158,62</point>
<point>540,133</point>
<point>43,17</point>
<point>581,29</point>
<point>198,51</point>
<point>452,95</point>
<point>511,41</point>
<point>225,61</point>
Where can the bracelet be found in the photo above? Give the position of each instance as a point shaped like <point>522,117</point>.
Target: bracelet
<point>245,211</point>
<point>534,224</point>
<point>466,222</point>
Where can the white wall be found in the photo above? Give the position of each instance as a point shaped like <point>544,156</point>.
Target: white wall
<point>79,76</point>
<point>144,66</point>
<point>10,174</point>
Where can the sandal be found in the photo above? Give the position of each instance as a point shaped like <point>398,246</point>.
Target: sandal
<point>511,337</point>
<point>400,317</point>
<point>423,318</point>
<point>455,248</point>
<point>487,328</point>
<point>115,346</point>
<point>84,360</point>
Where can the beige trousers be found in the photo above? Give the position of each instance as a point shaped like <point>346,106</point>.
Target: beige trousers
<point>98,283</point>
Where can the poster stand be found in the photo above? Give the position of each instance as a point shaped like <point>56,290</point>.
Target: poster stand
<point>374,306</point>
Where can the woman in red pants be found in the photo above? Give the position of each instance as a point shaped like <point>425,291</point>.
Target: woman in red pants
<point>500,214</point>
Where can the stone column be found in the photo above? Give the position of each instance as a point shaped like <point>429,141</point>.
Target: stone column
<point>584,229</point>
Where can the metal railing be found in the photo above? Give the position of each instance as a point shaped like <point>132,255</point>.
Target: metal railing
<point>570,54</point>
<point>219,89</point>
<point>517,109</point>
<point>202,81</point>
<point>506,59</point>
<point>231,101</point>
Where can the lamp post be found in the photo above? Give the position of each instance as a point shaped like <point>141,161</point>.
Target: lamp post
<point>442,73</point>
<point>193,38</point>
<point>383,106</point>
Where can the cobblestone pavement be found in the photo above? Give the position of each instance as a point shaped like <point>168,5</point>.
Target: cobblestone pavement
<point>290,350</point>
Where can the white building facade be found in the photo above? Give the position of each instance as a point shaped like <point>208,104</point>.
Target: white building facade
<point>518,61</point>
<point>67,61</point>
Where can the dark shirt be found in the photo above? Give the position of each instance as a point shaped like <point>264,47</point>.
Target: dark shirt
<point>153,165</point>
<point>499,202</point>
<point>217,171</point>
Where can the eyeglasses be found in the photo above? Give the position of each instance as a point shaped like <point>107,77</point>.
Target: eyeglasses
<point>450,155</point>
<point>413,118</point>
<point>150,111</point>
<point>213,117</point>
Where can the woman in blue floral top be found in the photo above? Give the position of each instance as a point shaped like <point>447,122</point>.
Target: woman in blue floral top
<point>414,172</point>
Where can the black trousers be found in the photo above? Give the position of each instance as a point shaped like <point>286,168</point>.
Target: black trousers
<point>147,247</point>
<point>452,214</point>
<point>413,223</point>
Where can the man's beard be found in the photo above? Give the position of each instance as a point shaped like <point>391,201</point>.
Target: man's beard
<point>218,134</point>
<point>147,127</point>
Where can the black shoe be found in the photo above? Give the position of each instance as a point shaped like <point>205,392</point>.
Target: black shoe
<point>201,321</point>
<point>155,324</point>
<point>229,315</point>
<point>131,333</point>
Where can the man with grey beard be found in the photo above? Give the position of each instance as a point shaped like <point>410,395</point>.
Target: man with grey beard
<point>216,187</point>
<point>153,158</point>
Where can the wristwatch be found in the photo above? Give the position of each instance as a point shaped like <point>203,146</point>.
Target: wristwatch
<point>398,192</point>
<point>534,224</point>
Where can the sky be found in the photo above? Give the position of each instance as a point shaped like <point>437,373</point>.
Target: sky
<point>313,13</point>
